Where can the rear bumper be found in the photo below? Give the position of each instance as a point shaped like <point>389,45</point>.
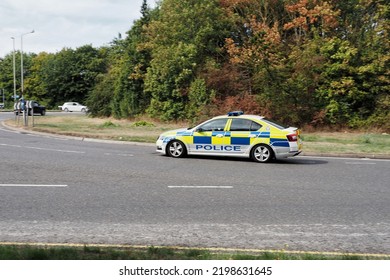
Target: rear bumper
<point>281,155</point>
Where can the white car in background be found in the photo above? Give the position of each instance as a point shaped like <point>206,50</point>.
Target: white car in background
<point>73,107</point>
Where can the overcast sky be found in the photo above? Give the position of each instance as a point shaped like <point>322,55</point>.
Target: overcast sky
<point>64,23</point>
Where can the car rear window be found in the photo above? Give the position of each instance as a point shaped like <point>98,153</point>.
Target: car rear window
<point>277,125</point>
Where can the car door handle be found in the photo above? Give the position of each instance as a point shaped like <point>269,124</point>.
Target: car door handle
<point>219,135</point>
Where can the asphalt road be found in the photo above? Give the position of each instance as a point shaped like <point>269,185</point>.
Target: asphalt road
<point>60,190</point>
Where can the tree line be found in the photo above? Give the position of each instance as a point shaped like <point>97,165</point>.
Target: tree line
<point>303,62</point>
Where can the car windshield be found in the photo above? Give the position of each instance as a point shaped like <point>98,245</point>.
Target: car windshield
<point>277,125</point>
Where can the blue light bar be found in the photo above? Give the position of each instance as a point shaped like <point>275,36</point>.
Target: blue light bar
<point>235,113</point>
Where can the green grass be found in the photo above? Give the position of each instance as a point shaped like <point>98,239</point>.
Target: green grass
<point>108,124</point>
<point>110,129</point>
<point>347,143</point>
<point>24,252</point>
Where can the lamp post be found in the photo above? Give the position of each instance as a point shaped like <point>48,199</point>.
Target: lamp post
<point>21,59</point>
<point>13,54</point>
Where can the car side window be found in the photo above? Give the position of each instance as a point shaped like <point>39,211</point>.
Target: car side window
<point>244,125</point>
<point>255,126</point>
<point>214,125</point>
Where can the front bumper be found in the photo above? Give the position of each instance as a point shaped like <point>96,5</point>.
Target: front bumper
<point>160,146</point>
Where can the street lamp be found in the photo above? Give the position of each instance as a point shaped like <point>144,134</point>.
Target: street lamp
<point>13,54</point>
<point>21,59</point>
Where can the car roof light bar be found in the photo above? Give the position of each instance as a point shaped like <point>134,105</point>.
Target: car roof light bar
<point>235,113</point>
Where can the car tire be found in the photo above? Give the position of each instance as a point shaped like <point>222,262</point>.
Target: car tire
<point>262,153</point>
<point>66,110</point>
<point>43,112</point>
<point>83,110</point>
<point>176,149</point>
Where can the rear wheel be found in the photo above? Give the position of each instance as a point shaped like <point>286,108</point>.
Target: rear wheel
<point>262,153</point>
<point>176,149</point>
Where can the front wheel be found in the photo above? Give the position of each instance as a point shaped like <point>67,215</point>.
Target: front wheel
<point>262,153</point>
<point>176,149</point>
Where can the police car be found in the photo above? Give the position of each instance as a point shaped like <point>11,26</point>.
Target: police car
<point>234,134</point>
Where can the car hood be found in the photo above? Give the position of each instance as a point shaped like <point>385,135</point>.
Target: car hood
<point>174,132</point>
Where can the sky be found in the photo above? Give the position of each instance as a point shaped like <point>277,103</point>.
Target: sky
<point>59,24</point>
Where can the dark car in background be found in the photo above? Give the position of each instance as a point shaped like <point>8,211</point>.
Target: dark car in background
<point>38,109</point>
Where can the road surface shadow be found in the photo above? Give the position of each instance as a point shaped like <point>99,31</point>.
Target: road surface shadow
<point>295,160</point>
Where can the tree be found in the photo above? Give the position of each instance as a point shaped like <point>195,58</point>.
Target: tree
<point>35,85</point>
<point>310,17</point>
<point>70,74</point>
<point>170,72</point>
<point>355,82</point>
<point>6,73</point>
<point>100,98</point>
<point>6,76</point>
<point>129,95</point>
<point>183,37</point>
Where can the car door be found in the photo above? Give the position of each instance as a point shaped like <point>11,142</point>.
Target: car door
<point>242,132</point>
<point>37,109</point>
<point>73,107</point>
<point>210,137</point>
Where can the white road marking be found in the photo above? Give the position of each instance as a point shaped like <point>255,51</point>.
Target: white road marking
<point>361,163</point>
<point>33,185</point>
<point>6,130</point>
<point>200,187</point>
<point>42,149</point>
<point>121,155</point>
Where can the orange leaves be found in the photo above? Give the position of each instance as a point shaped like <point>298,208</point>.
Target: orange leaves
<point>270,34</point>
<point>233,51</point>
<point>301,5</point>
<point>306,13</point>
<point>245,102</point>
<point>260,44</point>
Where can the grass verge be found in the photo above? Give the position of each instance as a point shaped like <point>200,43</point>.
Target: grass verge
<point>371,144</point>
<point>26,252</point>
<point>360,143</point>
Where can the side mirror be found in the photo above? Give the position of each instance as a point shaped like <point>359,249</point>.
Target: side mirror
<point>199,129</point>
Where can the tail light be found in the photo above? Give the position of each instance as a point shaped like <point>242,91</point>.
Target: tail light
<point>292,137</point>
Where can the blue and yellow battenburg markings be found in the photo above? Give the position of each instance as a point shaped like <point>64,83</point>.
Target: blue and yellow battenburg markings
<point>229,138</point>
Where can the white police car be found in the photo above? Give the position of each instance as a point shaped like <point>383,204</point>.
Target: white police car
<point>234,134</point>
